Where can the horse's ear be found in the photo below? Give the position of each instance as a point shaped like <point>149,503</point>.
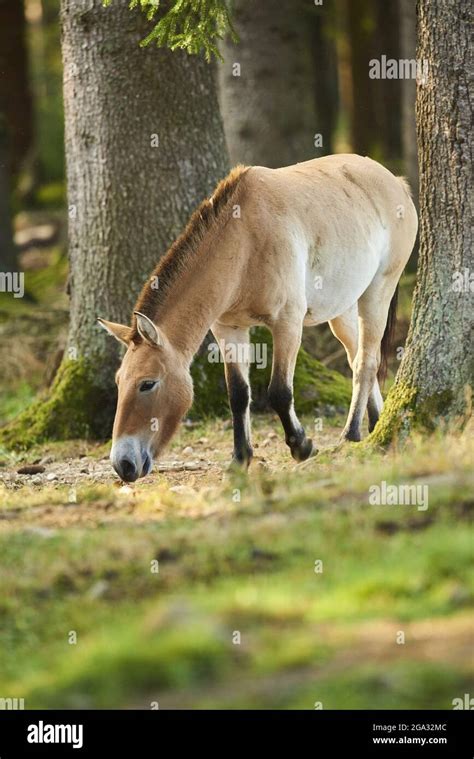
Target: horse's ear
<point>119,331</point>
<point>148,330</point>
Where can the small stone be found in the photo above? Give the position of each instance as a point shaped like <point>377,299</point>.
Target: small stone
<point>188,450</point>
<point>203,440</point>
<point>36,481</point>
<point>31,469</point>
<point>125,490</point>
<point>52,476</point>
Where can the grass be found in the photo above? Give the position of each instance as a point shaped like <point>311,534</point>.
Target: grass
<point>237,616</point>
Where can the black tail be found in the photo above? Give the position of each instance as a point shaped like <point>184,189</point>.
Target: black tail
<point>388,337</point>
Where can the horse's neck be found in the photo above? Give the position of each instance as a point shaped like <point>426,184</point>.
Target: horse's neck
<point>199,296</point>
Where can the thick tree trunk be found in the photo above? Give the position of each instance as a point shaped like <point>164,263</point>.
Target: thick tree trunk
<point>267,87</point>
<point>434,380</point>
<point>144,145</point>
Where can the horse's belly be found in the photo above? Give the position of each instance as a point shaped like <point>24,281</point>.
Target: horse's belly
<point>334,284</point>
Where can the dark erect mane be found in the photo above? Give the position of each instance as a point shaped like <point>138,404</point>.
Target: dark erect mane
<point>169,268</point>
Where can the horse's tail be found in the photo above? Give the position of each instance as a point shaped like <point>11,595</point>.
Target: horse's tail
<point>388,336</point>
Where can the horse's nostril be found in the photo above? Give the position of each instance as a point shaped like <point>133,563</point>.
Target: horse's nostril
<point>127,470</point>
<point>146,465</point>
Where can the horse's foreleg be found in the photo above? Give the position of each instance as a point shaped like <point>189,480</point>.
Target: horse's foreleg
<point>235,344</point>
<point>286,343</point>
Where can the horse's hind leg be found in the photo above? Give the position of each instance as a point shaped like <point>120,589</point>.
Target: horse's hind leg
<point>373,307</point>
<point>286,343</point>
<point>236,368</point>
<point>346,329</point>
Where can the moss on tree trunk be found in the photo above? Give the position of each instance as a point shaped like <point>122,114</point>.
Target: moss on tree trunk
<point>77,406</point>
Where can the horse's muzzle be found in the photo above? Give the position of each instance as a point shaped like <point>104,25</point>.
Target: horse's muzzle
<point>130,460</point>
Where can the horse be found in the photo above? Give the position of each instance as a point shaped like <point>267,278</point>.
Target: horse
<point>324,240</point>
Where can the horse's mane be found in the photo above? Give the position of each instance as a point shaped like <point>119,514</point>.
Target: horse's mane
<point>168,269</point>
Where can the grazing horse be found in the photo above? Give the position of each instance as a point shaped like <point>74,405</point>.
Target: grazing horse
<point>322,241</point>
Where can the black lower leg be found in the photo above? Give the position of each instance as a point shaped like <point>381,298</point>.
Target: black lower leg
<point>281,400</point>
<point>239,398</point>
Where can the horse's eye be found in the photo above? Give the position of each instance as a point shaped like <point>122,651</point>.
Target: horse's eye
<point>147,385</point>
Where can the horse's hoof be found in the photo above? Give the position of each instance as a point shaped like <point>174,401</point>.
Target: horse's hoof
<point>305,450</point>
<point>239,464</point>
<point>351,436</point>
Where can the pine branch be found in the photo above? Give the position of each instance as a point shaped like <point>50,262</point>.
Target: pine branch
<point>192,25</point>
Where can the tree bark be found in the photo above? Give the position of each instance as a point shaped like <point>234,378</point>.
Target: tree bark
<point>144,145</point>
<point>269,105</point>
<point>433,385</point>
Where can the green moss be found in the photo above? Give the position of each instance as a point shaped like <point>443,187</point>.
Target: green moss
<point>317,388</point>
<point>76,406</point>
<point>405,411</point>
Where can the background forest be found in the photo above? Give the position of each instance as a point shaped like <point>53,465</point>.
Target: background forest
<point>197,588</point>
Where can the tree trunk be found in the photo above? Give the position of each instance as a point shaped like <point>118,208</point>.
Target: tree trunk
<point>376,125</point>
<point>407,10</point>
<point>387,93</point>
<point>434,380</point>
<point>8,258</point>
<point>144,145</point>
<point>361,24</point>
<point>15,118</point>
<point>15,96</point>
<point>267,85</point>
<point>323,45</point>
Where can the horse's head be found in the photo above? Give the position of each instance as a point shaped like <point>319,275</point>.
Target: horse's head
<point>154,392</point>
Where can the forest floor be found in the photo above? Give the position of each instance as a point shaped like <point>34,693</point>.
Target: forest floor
<point>201,588</point>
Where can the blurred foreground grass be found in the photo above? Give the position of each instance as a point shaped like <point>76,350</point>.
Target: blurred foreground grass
<point>237,559</point>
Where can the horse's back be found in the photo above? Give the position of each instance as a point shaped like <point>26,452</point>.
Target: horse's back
<point>344,217</point>
<point>338,202</point>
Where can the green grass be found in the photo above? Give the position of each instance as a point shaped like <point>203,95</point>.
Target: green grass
<point>247,567</point>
